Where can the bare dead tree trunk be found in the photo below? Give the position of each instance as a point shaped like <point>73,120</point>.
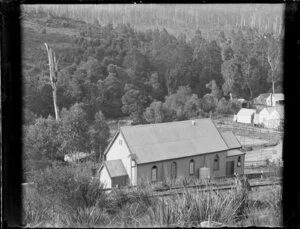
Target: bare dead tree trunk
<point>53,67</point>
<point>272,71</point>
<point>248,80</point>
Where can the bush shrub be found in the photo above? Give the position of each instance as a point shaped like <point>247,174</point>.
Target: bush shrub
<point>227,107</point>
<point>70,186</point>
<point>36,209</point>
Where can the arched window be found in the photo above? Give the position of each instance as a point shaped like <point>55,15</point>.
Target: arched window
<point>192,167</point>
<point>173,170</point>
<point>216,163</point>
<point>239,161</point>
<point>154,174</point>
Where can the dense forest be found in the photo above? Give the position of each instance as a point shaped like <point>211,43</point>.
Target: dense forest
<point>114,70</point>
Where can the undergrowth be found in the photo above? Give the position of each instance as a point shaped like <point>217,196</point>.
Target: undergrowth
<point>64,198</point>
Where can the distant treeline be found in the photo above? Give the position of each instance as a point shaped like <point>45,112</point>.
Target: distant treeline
<point>154,76</point>
<point>209,18</point>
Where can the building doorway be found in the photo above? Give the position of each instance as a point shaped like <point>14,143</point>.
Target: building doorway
<point>229,168</point>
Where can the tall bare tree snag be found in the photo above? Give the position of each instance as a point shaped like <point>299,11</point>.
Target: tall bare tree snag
<point>274,59</point>
<point>53,67</point>
<point>272,62</point>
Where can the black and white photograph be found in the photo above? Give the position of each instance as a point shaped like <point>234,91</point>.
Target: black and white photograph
<point>152,115</point>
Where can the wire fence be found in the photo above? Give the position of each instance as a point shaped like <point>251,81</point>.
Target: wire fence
<point>228,185</point>
<point>257,163</point>
<point>248,127</point>
<point>209,189</point>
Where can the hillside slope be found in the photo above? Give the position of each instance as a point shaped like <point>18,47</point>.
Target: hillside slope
<point>177,19</point>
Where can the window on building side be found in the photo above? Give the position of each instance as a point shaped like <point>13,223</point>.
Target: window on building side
<point>239,162</point>
<point>216,163</point>
<point>192,167</point>
<point>173,170</point>
<point>120,141</point>
<point>154,174</point>
<point>133,163</point>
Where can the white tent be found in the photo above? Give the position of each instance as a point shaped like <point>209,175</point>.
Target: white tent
<point>245,116</point>
<point>271,117</point>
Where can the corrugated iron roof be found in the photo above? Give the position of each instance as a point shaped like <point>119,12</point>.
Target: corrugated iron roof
<point>278,96</point>
<point>261,99</point>
<point>115,168</point>
<point>165,141</point>
<point>72,157</point>
<point>246,112</point>
<point>230,139</point>
<point>234,152</point>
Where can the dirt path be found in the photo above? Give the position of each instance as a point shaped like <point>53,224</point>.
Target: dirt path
<point>250,141</point>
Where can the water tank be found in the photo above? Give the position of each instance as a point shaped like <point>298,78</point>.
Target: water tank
<point>204,173</point>
<point>134,176</point>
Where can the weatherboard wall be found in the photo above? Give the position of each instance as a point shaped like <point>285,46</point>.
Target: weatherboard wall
<point>119,150</point>
<point>164,167</point>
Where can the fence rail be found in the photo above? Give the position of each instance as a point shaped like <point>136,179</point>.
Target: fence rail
<point>184,190</point>
<point>216,183</point>
<point>225,188</point>
<point>250,164</point>
<point>250,128</point>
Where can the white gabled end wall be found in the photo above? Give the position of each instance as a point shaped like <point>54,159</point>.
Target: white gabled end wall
<point>119,150</point>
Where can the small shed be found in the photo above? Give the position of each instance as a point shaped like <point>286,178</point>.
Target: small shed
<point>113,174</point>
<point>245,116</point>
<point>275,99</point>
<point>235,158</point>
<point>76,157</point>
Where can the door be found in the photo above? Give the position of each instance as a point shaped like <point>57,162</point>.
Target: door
<point>229,168</point>
<point>173,171</point>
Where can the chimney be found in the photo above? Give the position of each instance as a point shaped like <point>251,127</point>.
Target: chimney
<point>193,122</point>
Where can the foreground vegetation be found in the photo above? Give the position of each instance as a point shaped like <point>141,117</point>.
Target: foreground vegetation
<point>65,196</point>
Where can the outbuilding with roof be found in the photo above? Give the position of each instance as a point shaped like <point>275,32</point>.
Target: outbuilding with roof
<point>245,116</point>
<point>157,152</point>
<point>275,99</point>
